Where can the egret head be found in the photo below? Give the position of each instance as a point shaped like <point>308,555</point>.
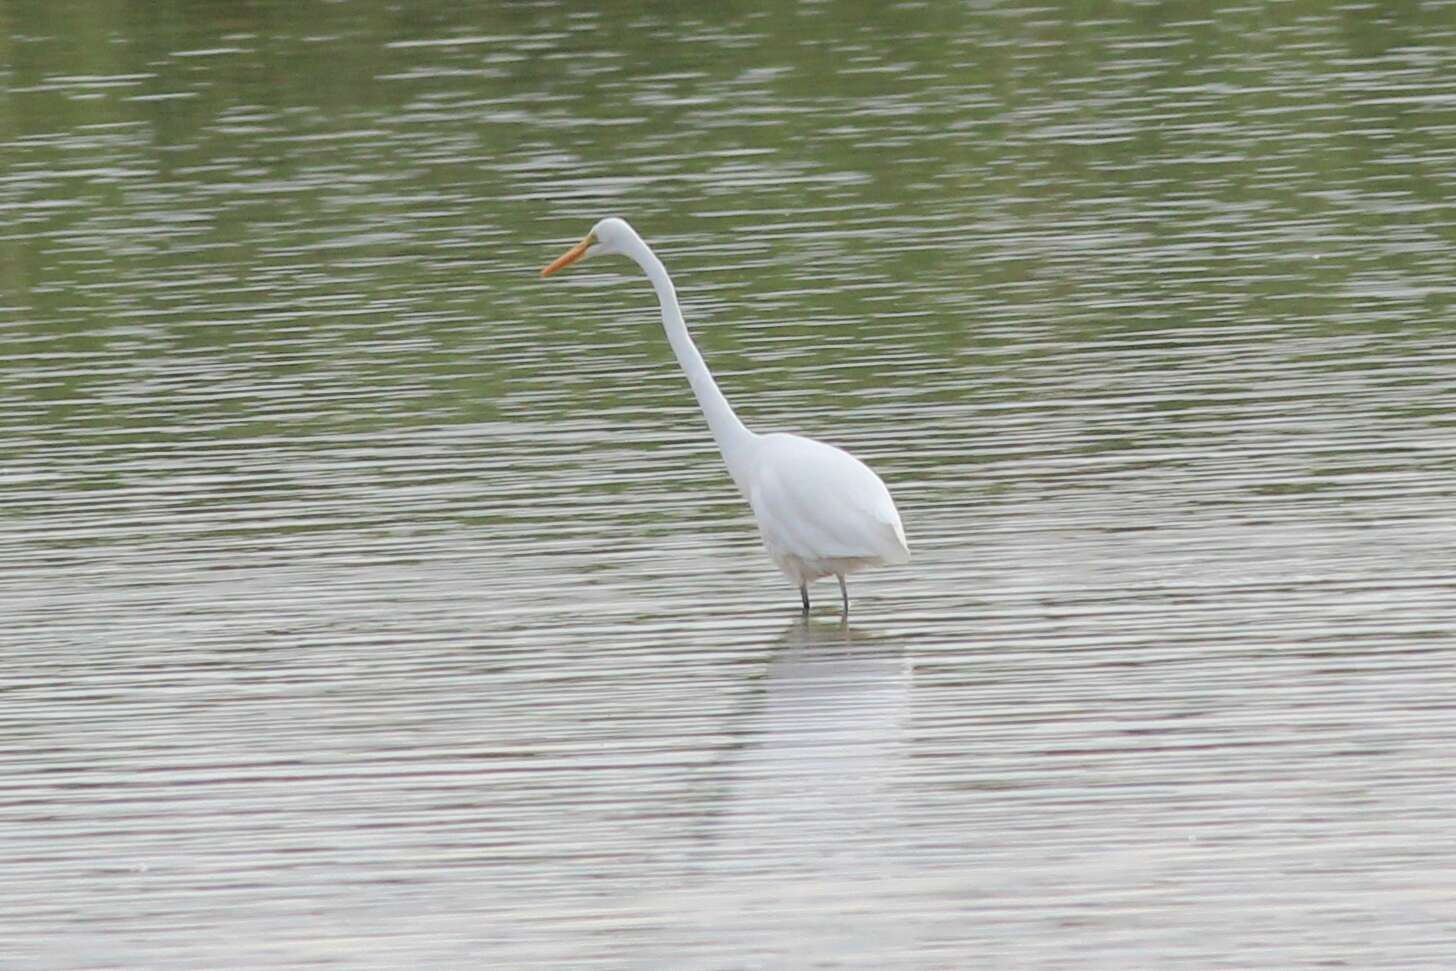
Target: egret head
<point>608,237</point>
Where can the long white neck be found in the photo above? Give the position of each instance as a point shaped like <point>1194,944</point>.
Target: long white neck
<point>730,434</point>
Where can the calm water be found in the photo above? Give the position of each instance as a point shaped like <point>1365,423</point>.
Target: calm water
<point>368,602</point>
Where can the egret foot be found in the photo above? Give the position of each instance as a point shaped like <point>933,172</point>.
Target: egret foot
<point>804,595</point>
<point>844,592</point>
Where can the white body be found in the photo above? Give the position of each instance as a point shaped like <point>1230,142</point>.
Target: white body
<point>820,510</point>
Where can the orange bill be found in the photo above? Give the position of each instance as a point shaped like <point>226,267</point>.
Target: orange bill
<point>569,257</point>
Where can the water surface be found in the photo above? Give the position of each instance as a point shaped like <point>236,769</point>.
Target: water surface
<point>370,603</point>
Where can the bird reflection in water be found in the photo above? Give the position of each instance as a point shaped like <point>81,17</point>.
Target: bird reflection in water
<point>821,746</point>
<point>806,804</point>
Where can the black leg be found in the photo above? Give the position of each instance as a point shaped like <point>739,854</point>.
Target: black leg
<point>804,595</point>
<point>844,592</point>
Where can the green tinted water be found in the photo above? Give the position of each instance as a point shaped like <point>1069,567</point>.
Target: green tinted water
<point>369,601</point>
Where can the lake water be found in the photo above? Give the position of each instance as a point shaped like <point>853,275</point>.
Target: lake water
<point>367,602</point>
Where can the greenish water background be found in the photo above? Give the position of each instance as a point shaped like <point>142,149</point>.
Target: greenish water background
<point>369,601</point>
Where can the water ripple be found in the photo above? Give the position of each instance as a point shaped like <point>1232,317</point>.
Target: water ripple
<point>371,602</point>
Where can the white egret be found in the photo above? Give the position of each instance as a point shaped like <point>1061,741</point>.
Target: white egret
<point>820,510</point>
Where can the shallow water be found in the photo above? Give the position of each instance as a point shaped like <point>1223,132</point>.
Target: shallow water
<point>369,602</point>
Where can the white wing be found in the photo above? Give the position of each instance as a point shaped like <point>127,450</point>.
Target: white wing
<point>817,502</point>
